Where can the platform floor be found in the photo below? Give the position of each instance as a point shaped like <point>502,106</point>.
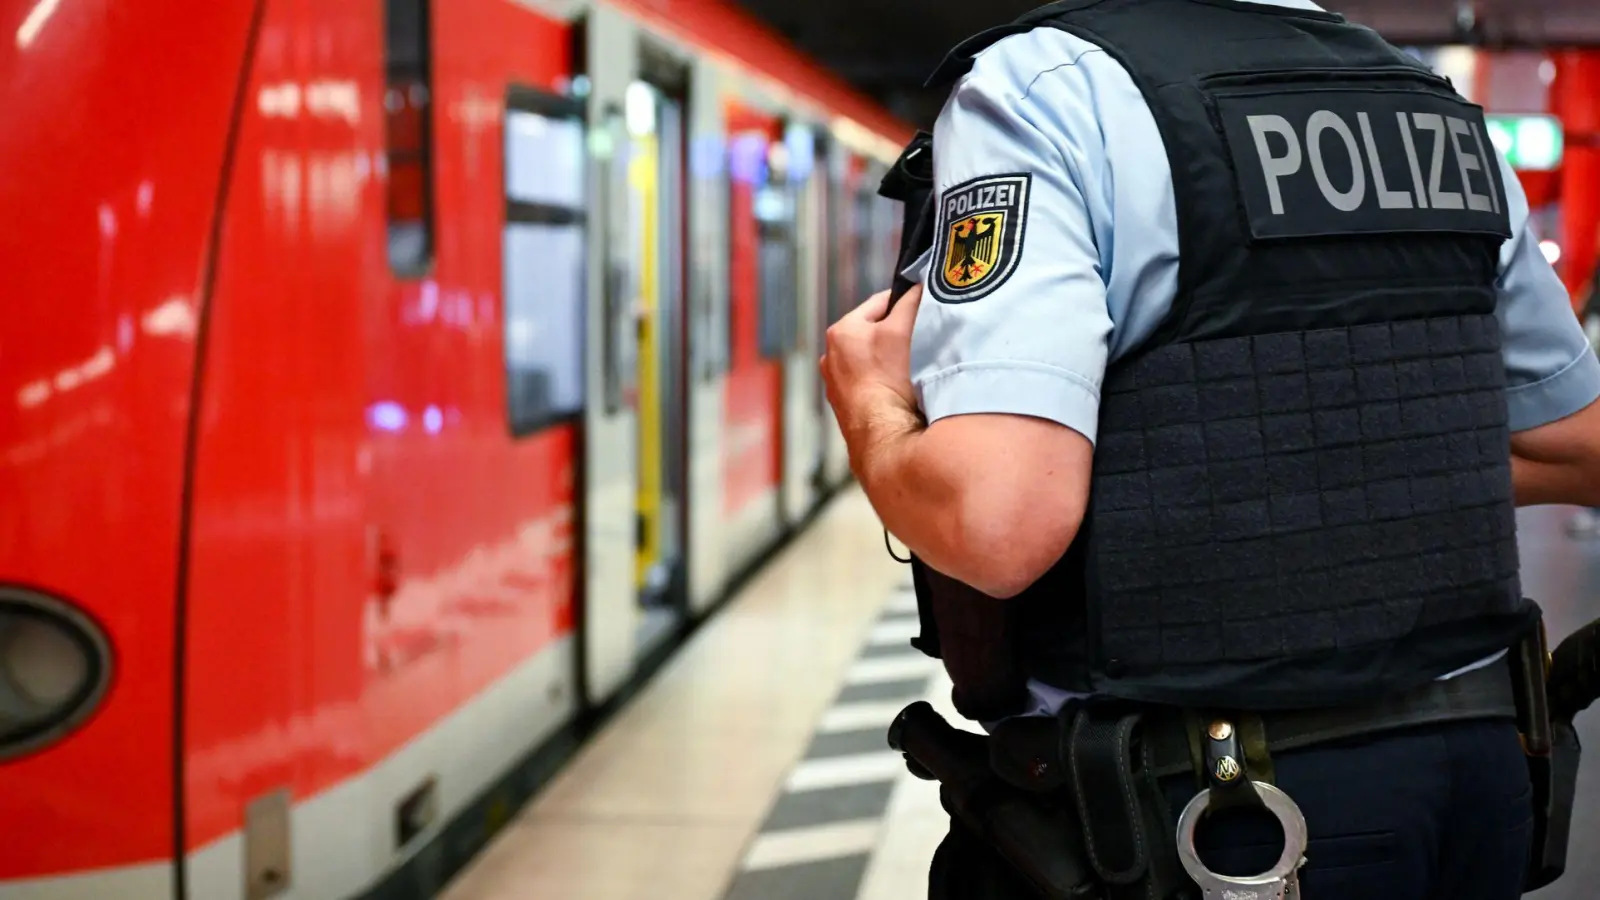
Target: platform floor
<point>754,766</point>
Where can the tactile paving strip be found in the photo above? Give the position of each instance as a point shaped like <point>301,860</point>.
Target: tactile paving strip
<point>828,818</point>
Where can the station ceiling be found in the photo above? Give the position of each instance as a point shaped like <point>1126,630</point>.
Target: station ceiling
<point>888,47</point>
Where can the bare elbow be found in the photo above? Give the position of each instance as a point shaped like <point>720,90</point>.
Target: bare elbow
<point>1017,498</point>
<point>1559,462</point>
<point>1005,556</point>
<point>1003,583</point>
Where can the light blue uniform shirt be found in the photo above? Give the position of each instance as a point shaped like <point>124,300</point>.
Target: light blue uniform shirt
<point>1098,265</point>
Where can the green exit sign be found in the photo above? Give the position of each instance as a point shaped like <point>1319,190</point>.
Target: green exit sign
<point>1530,143</point>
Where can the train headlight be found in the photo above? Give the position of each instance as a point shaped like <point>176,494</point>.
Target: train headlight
<point>55,666</point>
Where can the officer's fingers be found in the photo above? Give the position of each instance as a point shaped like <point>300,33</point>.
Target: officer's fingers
<point>876,307</point>
<point>905,309</point>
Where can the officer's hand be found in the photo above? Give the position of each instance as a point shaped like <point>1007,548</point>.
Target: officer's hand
<point>868,357</point>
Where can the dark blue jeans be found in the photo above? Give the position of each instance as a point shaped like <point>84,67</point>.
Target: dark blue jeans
<point>1436,813</point>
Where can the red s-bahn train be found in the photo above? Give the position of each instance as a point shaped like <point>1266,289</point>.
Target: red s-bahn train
<point>383,384</point>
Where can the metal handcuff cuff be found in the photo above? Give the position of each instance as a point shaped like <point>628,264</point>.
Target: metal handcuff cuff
<point>1226,772</point>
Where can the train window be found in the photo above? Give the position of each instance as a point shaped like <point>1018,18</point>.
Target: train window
<point>711,344</point>
<point>619,338</point>
<point>546,259</point>
<point>864,231</point>
<point>841,243</point>
<point>407,103</point>
<point>774,203</point>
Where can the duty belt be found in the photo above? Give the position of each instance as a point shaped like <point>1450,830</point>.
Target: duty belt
<point>1073,802</point>
<point>1170,744</point>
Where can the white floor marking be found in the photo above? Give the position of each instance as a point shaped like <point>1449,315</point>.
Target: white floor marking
<point>894,631</point>
<point>843,771</point>
<point>803,845</point>
<point>860,716</point>
<point>899,667</point>
<point>914,825</point>
<point>903,603</point>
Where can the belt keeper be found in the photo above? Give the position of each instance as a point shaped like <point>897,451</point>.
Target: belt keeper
<point>1234,748</point>
<point>1225,760</point>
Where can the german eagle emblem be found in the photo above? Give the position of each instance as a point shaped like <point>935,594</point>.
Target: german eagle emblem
<point>973,247</point>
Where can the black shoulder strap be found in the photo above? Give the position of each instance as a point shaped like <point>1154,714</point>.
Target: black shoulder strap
<point>910,181</point>
<point>958,61</point>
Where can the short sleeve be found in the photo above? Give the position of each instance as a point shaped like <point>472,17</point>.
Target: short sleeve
<point>1014,317</point>
<point>1551,370</point>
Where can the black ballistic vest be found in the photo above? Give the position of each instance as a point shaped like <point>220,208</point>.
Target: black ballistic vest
<point>1302,484</point>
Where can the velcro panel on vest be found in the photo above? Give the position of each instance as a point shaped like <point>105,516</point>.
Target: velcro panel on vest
<point>1283,495</point>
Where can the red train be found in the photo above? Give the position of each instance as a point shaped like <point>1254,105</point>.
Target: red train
<point>382,386</point>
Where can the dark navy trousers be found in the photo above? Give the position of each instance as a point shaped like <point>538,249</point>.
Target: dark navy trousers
<point>1437,813</point>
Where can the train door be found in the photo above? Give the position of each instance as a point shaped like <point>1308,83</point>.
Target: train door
<point>709,338</point>
<point>802,383</point>
<point>610,618</point>
<point>824,236</point>
<point>654,111</point>
<point>761,287</point>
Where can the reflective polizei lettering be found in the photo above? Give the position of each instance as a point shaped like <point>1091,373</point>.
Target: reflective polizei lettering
<point>1423,140</point>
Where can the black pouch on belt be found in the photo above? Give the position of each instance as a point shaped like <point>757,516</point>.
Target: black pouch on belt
<point>1127,826</point>
<point>1555,792</point>
<point>1545,707</point>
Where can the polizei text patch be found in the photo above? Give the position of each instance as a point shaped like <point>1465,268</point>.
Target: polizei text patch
<point>1331,160</point>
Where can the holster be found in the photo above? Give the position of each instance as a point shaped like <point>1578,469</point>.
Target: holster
<point>1070,803</point>
<point>1037,836</point>
<point>1544,720</point>
<point>1555,792</point>
<point>972,633</point>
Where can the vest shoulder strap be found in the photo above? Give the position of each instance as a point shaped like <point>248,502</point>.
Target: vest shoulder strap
<point>910,181</point>
<point>958,61</point>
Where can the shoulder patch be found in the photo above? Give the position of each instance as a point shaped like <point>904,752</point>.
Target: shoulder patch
<point>979,237</point>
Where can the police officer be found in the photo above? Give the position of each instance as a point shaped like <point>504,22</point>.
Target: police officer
<point>1263,283</point>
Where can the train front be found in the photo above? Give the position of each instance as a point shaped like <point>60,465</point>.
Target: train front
<point>114,147</point>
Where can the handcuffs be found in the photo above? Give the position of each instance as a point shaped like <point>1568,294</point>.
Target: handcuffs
<point>1226,774</point>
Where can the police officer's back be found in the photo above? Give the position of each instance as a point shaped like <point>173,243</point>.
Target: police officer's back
<point>1236,357</point>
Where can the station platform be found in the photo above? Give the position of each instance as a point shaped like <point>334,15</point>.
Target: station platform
<point>754,766</point>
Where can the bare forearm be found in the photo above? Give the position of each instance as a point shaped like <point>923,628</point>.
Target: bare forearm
<point>913,495</point>
<point>1538,483</point>
<point>990,500</point>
